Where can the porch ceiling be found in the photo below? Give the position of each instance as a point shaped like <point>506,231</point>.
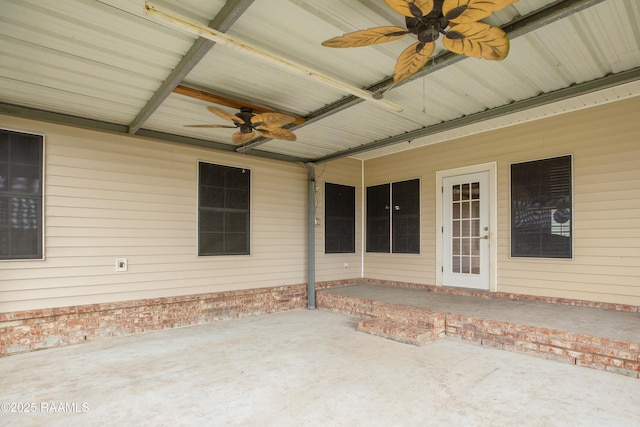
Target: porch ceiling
<point>108,65</point>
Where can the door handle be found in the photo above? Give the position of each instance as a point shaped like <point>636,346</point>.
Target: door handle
<point>486,236</point>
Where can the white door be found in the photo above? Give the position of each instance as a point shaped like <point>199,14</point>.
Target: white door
<point>465,231</point>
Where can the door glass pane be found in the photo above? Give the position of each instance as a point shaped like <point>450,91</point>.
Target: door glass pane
<point>466,212</point>
<point>466,265</point>
<point>475,265</point>
<point>466,246</point>
<point>455,264</point>
<point>465,228</point>
<point>465,192</point>
<point>475,209</point>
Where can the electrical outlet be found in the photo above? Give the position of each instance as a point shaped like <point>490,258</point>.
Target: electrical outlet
<point>121,264</point>
<point>346,265</point>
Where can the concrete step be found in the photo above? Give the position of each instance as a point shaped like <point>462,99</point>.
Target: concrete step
<point>398,331</point>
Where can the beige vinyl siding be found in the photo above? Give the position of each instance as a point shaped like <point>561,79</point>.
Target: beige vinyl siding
<point>401,267</point>
<point>112,196</point>
<point>605,144</point>
<point>331,266</point>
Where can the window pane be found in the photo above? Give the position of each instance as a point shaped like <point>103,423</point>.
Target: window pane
<point>26,149</point>
<point>211,244</point>
<point>236,198</point>
<point>235,222</point>
<point>236,243</point>
<point>378,217</point>
<point>541,217</point>
<point>211,197</point>
<point>25,179</point>
<point>339,218</point>
<point>20,195</point>
<point>224,203</point>
<point>211,221</point>
<point>406,216</point>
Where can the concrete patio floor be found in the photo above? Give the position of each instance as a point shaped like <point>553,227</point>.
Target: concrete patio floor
<point>304,368</point>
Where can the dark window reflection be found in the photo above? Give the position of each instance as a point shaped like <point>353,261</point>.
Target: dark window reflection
<point>541,217</point>
<point>223,210</point>
<point>20,195</point>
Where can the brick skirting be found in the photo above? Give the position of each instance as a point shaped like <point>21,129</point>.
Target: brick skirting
<point>622,357</point>
<point>24,331</point>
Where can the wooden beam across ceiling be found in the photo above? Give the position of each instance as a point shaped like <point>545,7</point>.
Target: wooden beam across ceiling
<point>228,102</point>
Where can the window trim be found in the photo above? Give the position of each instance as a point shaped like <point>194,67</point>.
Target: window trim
<point>197,203</point>
<point>43,170</point>
<point>572,186</point>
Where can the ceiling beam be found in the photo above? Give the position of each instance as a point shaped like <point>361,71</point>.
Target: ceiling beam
<point>608,81</point>
<point>227,16</point>
<point>205,95</point>
<point>101,126</point>
<point>267,57</point>
<point>520,26</point>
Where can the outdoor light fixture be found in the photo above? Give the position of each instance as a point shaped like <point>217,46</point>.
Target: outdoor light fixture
<point>285,64</point>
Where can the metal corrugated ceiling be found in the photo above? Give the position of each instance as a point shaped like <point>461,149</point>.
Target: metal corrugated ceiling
<point>106,64</point>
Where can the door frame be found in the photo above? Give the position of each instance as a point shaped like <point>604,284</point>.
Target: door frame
<point>493,218</point>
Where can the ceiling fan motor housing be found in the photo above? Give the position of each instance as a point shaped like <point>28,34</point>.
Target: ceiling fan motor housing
<point>428,27</point>
<point>245,116</point>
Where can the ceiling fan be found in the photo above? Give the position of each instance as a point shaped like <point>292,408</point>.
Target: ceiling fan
<point>427,19</point>
<point>267,124</point>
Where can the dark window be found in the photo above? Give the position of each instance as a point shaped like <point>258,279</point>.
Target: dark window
<point>378,215</point>
<point>20,195</point>
<point>405,197</point>
<point>393,217</point>
<point>223,210</point>
<point>339,219</point>
<point>541,217</point>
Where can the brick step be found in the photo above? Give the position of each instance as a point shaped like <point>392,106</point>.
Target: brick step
<point>399,331</point>
<point>414,316</point>
<point>367,309</point>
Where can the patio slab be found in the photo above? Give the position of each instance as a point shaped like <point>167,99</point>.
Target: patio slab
<point>306,368</point>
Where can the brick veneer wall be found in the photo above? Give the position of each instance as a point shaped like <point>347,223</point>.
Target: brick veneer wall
<point>24,331</point>
<point>622,357</point>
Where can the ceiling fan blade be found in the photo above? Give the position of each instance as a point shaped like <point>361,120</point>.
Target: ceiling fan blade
<point>226,115</point>
<point>412,59</point>
<point>478,40</point>
<point>271,120</point>
<point>278,133</point>
<point>239,137</point>
<point>367,37</point>
<point>411,8</point>
<point>210,126</point>
<point>465,11</point>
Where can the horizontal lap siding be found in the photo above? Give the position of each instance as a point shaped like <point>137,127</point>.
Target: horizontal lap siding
<point>331,266</point>
<point>413,268</point>
<point>605,144</point>
<point>112,196</point>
